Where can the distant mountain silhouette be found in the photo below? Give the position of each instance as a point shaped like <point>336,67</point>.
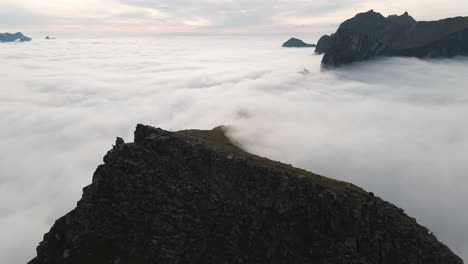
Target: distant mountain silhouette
<point>17,37</point>
<point>370,34</point>
<point>297,43</point>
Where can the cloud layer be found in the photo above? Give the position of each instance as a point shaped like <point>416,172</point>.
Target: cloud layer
<point>396,127</point>
<point>204,16</point>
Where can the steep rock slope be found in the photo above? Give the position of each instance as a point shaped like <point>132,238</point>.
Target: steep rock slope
<point>370,34</point>
<point>195,197</point>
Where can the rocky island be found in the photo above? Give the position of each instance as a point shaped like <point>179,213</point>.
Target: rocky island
<point>17,37</point>
<point>196,197</point>
<point>297,43</point>
<point>370,34</point>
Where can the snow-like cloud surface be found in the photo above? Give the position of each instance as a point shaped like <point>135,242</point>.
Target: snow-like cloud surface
<point>396,127</point>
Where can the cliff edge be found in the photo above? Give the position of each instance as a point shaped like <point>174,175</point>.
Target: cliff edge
<point>370,34</point>
<point>195,197</point>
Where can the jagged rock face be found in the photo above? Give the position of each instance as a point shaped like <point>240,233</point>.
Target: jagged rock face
<point>450,46</point>
<point>194,197</point>
<point>297,43</point>
<point>17,37</point>
<point>370,34</point>
<point>323,44</point>
<point>348,46</point>
<point>404,19</point>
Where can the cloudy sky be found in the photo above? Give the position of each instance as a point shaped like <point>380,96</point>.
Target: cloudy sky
<point>203,16</point>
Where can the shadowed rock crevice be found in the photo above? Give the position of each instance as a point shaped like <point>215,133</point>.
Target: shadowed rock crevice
<point>196,197</point>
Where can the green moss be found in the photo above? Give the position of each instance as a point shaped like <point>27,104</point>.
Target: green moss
<point>218,139</point>
<point>214,138</point>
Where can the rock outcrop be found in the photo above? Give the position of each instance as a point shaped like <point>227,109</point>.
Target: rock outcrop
<point>370,34</point>
<point>323,44</point>
<point>17,37</point>
<point>404,19</point>
<point>195,197</point>
<point>297,43</point>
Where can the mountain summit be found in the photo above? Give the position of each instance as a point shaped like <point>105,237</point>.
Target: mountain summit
<point>370,34</point>
<point>404,19</point>
<point>196,197</point>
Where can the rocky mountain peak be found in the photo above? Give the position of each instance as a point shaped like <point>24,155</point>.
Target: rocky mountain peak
<point>195,196</point>
<point>370,34</point>
<point>404,19</point>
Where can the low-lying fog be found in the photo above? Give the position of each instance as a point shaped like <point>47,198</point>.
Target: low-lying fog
<point>397,127</point>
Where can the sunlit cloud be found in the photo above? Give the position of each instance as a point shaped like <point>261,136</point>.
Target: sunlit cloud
<point>198,22</point>
<point>280,16</point>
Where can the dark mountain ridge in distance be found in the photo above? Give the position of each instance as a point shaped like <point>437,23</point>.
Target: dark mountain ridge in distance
<point>196,197</point>
<point>17,37</point>
<point>297,43</point>
<point>370,34</point>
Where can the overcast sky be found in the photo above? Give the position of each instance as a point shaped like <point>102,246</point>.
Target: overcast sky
<point>204,16</point>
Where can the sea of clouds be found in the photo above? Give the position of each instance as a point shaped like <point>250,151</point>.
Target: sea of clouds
<point>397,127</point>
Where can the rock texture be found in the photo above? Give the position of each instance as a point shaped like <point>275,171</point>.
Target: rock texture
<point>370,34</point>
<point>195,197</point>
<point>17,37</point>
<point>297,43</point>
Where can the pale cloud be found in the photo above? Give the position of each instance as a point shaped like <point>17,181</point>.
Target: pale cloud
<point>139,16</point>
<point>98,9</point>
<point>198,22</point>
<point>63,102</point>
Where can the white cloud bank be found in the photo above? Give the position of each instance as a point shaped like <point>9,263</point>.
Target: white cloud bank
<point>117,17</point>
<point>396,127</point>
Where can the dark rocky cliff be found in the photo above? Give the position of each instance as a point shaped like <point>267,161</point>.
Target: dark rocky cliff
<point>194,197</point>
<point>17,37</point>
<point>404,19</point>
<point>348,46</point>
<point>370,35</point>
<point>323,44</point>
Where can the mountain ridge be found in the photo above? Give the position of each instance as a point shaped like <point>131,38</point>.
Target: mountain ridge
<point>195,196</point>
<point>370,34</point>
